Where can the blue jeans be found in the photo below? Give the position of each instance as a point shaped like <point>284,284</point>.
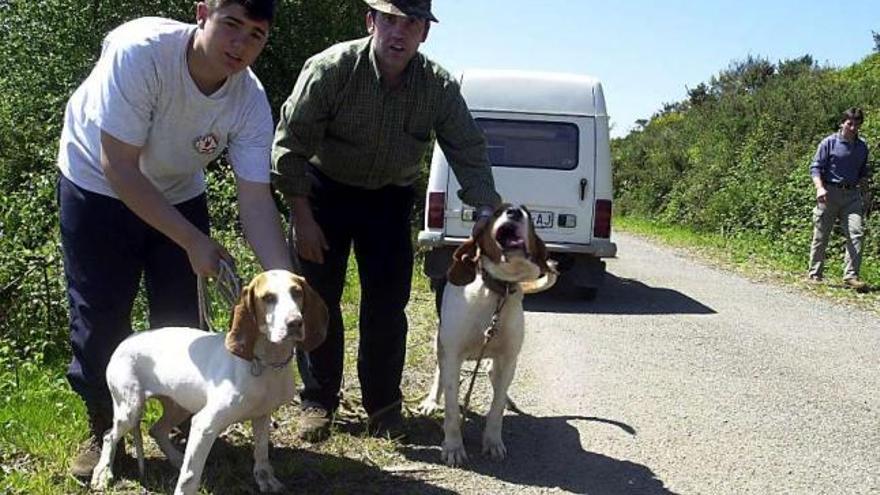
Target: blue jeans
<point>106,249</point>
<point>376,224</point>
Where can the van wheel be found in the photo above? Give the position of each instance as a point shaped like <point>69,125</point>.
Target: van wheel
<point>587,293</point>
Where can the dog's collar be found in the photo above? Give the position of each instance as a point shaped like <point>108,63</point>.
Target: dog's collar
<point>496,285</point>
<point>257,364</point>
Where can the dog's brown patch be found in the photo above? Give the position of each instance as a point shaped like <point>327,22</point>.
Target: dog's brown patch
<point>244,331</point>
<point>315,317</point>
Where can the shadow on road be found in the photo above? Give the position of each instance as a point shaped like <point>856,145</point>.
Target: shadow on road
<point>228,472</point>
<point>546,452</point>
<point>620,296</point>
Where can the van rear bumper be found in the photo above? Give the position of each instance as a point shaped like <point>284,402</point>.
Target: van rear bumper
<point>581,267</point>
<point>600,248</point>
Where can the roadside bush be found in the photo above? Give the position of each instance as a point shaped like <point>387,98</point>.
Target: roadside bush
<point>735,157</point>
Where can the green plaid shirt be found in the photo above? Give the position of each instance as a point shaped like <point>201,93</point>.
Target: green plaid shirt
<point>341,119</point>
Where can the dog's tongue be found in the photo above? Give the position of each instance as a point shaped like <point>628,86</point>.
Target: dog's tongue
<point>514,243</point>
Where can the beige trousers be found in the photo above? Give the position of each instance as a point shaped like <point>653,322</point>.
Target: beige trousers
<point>844,205</point>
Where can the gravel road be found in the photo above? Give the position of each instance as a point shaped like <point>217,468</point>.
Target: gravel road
<point>682,378</point>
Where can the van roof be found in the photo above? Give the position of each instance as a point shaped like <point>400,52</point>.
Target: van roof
<point>533,92</point>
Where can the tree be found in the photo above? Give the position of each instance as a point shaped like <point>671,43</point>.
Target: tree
<point>793,67</point>
<point>743,76</point>
<point>699,95</point>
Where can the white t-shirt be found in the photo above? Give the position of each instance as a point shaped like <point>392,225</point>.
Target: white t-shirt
<point>140,92</point>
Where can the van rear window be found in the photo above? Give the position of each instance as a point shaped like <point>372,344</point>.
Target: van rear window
<point>531,144</point>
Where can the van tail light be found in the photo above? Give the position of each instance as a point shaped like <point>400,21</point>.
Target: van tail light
<point>436,209</point>
<point>602,220</point>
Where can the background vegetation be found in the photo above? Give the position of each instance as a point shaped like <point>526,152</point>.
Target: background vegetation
<point>733,159</point>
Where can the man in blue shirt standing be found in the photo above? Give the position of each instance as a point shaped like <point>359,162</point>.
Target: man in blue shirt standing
<point>840,171</point>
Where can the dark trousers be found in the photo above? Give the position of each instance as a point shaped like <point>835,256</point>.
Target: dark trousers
<point>376,223</point>
<point>106,249</point>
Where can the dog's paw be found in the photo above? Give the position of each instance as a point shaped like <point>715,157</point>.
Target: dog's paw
<point>427,407</point>
<point>494,447</point>
<point>101,477</point>
<point>270,485</point>
<point>267,481</point>
<point>453,454</point>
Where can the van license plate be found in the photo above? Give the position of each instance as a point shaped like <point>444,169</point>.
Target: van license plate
<point>542,219</point>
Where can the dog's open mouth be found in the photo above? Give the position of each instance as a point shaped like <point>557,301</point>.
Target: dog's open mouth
<point>510,239</point>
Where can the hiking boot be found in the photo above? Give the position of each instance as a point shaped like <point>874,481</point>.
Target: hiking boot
<point>387,425</point>
<point>856,284</point>
<point>814,279</point>
<point>90,451</point>
<point>87,458</point>
<point>314,424</point>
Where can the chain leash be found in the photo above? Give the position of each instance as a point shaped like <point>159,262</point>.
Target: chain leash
<point>488,335</point>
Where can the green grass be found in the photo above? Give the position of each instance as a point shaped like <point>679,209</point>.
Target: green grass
<point>42,422</point>
<point>40,418</point>
<point>759,258</point>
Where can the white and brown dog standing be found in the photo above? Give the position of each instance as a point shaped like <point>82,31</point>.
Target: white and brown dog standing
<point>221,380</point>
<point>488,277</point>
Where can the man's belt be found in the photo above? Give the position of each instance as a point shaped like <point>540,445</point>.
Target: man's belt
<point>841,185</point>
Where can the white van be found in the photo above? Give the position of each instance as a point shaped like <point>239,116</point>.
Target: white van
<point>548,142</point>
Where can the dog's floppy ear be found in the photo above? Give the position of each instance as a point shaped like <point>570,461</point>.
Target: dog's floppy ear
<point>243,333</point>
<point>464,260</point>
<point>315,317</point>
<point>464,264</point>
<point>540,257</point>
<point>538,250</point>
<point>540,254</point>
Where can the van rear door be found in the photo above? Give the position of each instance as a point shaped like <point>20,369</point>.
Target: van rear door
<point>546,162</point>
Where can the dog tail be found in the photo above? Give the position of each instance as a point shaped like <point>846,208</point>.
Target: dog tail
<point>138,441</point>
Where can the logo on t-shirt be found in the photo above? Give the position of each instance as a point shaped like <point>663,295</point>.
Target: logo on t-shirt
<point>206,144</point>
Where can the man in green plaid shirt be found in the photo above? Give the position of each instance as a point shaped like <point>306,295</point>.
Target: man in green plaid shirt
<point>347,152</point>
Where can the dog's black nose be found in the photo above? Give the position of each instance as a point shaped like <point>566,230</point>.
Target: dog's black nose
<point>513,213</point>
<point>294,323</point>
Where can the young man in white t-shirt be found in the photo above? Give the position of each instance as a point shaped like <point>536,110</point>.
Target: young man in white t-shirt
<point>164,100</point>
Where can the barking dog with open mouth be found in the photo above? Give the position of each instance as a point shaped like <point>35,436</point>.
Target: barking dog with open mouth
<point>245,374</point>
<point>489,275</point>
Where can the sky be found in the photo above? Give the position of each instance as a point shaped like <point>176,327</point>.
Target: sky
<point>646,53</point>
